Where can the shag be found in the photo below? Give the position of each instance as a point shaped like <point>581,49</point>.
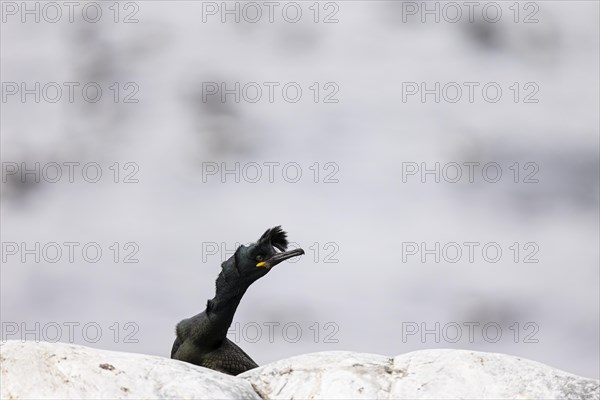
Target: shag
<point>201,339</point>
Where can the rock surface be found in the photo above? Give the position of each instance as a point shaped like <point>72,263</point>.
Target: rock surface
<point>31,370</point>
<point>437,374</point>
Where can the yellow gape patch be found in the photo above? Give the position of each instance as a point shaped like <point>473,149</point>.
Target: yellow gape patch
<point>263,263</point>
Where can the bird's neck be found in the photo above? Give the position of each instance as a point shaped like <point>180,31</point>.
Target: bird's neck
<point>221,309</point>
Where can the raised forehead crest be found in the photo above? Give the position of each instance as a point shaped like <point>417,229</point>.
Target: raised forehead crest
<point>275,237</point>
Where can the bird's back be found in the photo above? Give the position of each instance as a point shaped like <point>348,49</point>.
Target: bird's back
<point>227,358</point>
<point>230,359</point>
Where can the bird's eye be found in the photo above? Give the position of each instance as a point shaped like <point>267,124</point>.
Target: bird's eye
<point>259,258</point>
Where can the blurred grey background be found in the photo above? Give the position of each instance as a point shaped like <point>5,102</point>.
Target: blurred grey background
<point>172,213</point>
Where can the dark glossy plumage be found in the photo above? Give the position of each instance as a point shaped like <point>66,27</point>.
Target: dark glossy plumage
<point>227,357</point>
<point>201,339</point>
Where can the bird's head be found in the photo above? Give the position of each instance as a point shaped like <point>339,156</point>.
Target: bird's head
<point>255,260</point>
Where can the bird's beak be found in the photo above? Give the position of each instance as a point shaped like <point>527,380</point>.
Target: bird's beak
<point>279,257</point>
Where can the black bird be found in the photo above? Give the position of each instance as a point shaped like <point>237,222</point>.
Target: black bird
<point>201,339</point>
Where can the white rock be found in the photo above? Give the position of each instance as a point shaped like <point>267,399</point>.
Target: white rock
<point>63,371</point>
<point>31,370</point>
<point>438,374</point>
